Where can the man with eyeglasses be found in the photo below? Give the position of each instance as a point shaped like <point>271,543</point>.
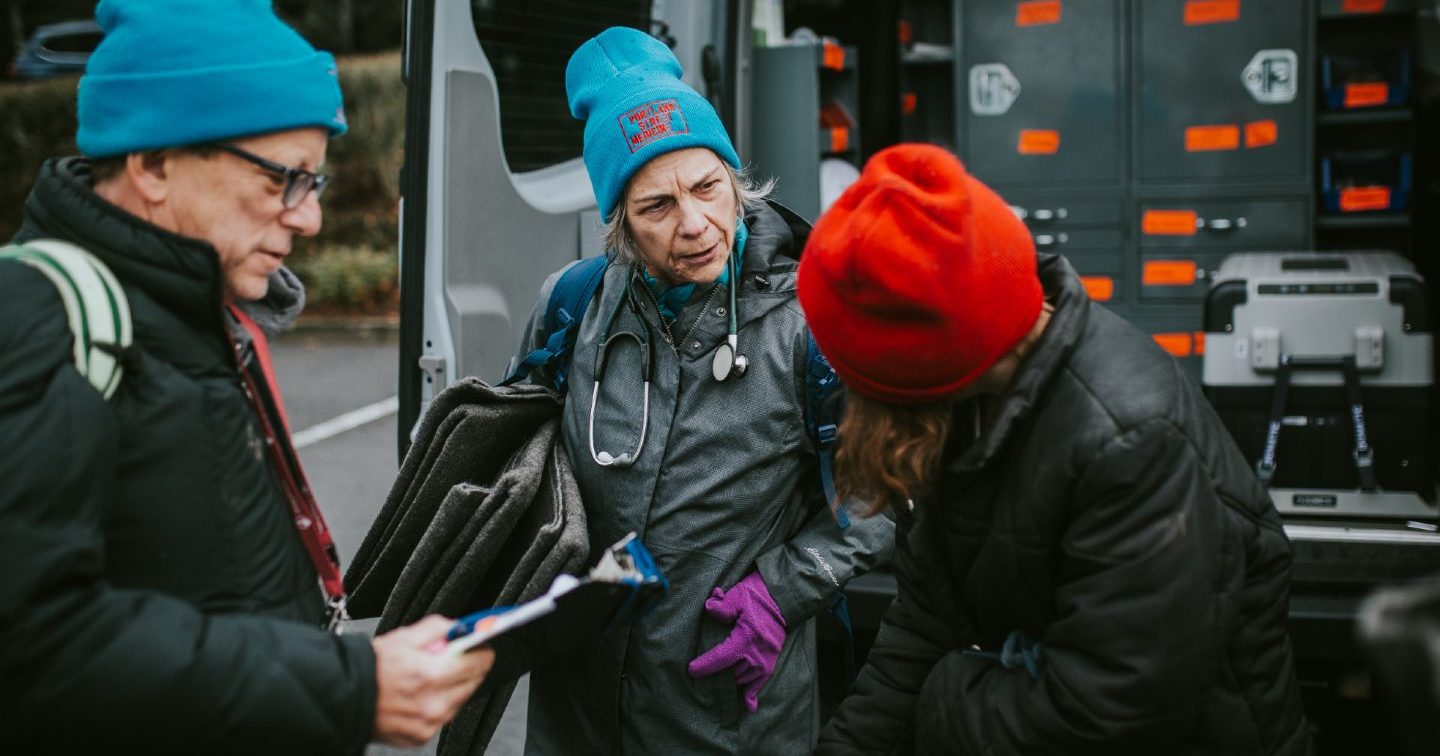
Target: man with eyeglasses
<point>165,568</point>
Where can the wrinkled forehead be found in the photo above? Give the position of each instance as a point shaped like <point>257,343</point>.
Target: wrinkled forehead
<point>673,172</point>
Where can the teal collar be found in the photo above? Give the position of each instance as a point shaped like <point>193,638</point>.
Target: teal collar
<point>672,299</point>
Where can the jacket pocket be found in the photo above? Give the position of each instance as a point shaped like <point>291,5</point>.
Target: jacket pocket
<point>721,686</point>
<point>681,630</point>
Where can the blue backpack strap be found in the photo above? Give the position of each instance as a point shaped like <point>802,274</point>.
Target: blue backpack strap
<point>821,383</point>
<point>820,421</point>
<point>563,313</point>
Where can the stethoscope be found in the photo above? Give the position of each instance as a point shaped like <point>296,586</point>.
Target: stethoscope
<point>727,362</point>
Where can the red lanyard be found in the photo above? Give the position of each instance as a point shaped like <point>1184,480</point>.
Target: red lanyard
<point>265,396</point>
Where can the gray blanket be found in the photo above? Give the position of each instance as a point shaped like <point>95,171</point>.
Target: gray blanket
<point>485,512</point>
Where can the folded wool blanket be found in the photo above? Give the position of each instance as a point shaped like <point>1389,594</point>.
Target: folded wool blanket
<point>485,512</point>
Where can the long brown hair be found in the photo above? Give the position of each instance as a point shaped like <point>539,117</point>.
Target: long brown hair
<point>887,453</point>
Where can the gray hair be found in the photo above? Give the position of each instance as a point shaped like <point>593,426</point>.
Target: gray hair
<point>749,194</point>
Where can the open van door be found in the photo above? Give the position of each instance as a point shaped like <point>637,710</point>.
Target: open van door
<point>494,195</point>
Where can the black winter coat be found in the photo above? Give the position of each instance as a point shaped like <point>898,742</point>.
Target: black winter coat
<point>1104,512</point>
<point>154,594</point>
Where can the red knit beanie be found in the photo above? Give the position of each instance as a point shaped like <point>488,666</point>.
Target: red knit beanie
<point>918,278</point>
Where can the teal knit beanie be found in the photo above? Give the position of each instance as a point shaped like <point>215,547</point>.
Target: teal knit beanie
<point>625,85</point>
<point>175,72</point>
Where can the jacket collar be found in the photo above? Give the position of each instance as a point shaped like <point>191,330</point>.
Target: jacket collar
<point>772,260</point>
<point>1072,309</point>
<point>180,273</point>
<point>777,237</point>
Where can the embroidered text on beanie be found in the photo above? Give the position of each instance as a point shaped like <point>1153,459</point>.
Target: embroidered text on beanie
<point>626,86</point>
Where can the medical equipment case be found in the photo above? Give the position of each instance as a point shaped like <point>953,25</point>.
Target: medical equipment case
<point>1320,366</point>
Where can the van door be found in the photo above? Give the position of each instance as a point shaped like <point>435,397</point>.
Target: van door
<point>494,195</point>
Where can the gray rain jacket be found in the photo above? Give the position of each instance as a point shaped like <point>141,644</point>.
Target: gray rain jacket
<point>726,484</point>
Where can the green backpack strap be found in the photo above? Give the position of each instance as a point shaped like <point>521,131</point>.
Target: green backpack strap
<point>94,302</point>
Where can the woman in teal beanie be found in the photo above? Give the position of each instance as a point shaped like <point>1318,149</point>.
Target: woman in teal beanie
<point>706,459</point>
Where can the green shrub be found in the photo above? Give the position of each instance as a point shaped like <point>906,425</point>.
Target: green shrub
<point>348,278</point>
<point>37,121</point>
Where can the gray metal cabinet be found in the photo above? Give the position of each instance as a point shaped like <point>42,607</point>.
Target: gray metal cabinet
<point>1090,233</point>
<point>1177,275</point>
<point>1223,89</point>
<point>1244,222</point>
<point>1163,136</point>
<point>792,86</point>
<point>1183,240</point>
<point>927,72</point>
<point>1044,92</point>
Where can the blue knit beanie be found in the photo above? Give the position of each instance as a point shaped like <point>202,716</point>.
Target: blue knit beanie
<point>626,86</point>
<point>175,72</point>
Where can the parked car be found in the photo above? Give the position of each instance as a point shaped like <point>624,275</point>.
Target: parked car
<point>56,50</point>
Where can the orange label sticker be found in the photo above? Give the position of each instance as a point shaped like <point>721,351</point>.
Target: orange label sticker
<point>908,102</point>
<point>1225,136</point>
<point>1169,222</point>
<point>1200,12</point>
<point>903,31</point>
<point>1358,199</point>
<point>1261,134</point>
<point>1366,94</point>
<point>1037,12</point>
<point>1169,273</point>
<point>833,56</point>
<point>1199,343</point>
<point>1100,288</point>
<point>1039,142</point>
<point>1362,6</point>
<point>1178,344</point>
<point>839,139</point>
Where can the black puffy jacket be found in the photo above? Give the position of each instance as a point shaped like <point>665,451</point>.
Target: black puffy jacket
<point>1105,513</point>
<point>154,594</point>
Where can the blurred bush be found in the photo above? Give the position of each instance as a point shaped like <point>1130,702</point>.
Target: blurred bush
<point>346,26</point>
<point>348,278</point>
<point>37,121</point>
<point>340,26</point>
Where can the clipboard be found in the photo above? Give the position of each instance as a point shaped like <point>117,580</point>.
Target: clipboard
<point>621,588</point>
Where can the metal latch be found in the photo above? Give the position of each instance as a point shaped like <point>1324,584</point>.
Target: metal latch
<point>1369,348</point>
<point>433,365</point>
<point>1265,349</point>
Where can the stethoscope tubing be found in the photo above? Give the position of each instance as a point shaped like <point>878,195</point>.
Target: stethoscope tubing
<point>604,458</point>
<point>602,359</point>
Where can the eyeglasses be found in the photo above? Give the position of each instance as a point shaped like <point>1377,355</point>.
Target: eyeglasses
<point>298,181</point>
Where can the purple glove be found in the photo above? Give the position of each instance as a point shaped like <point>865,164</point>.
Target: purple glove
<point>753,644</point>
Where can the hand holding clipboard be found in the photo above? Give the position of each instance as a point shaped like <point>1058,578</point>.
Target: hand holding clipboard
<point>621,588</point>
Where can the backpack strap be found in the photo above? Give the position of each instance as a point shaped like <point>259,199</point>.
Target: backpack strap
<point>820,421</point>
<point>563,313</point>
<point>95,305</point>
<point>821,404</point>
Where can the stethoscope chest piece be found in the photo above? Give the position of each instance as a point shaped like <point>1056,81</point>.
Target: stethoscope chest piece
<point>726,363</point>
<point>722,363</point>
